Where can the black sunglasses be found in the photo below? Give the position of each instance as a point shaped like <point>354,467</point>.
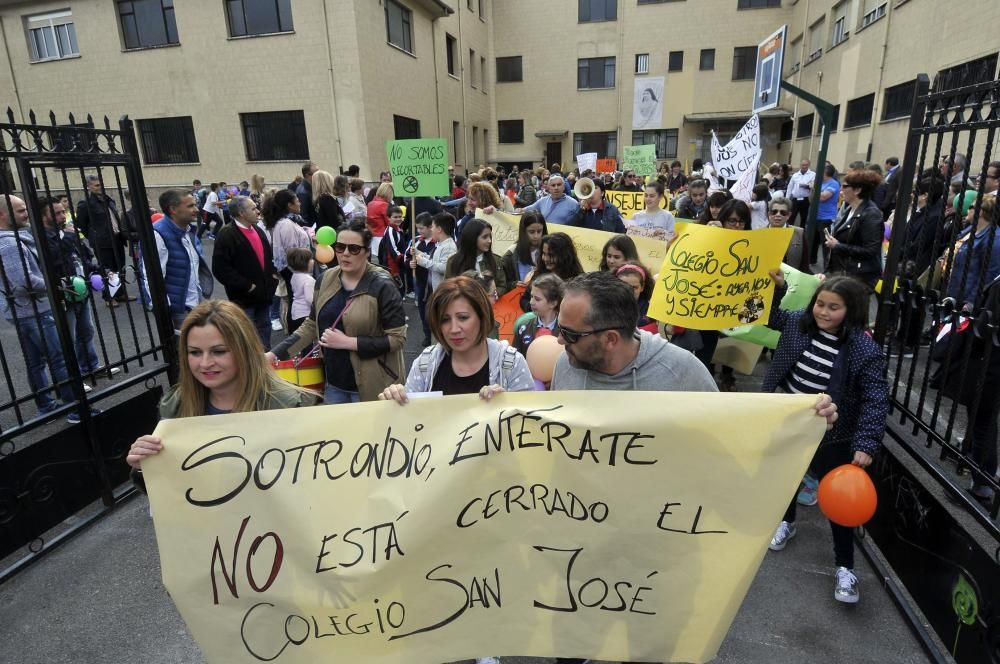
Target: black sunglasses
<point>352,249</point>
<point>783,213</point>
<point>572,336</point>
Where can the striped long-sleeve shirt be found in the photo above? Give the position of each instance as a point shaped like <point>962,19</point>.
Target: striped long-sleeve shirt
<point>811,373</point>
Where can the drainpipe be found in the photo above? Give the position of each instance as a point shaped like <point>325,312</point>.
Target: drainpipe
<point>333,92</point>
<point>437,81</point>
<point>462,84</point>
<point>10,64</point>
<point>620,72</point>
<point>798,83</point>
<point>876,106</point>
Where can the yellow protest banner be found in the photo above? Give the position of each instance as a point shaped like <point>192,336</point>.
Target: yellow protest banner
<point>538,524</point>
<point>712,278</point>
<point>588,243</point>
<point>630,202</point>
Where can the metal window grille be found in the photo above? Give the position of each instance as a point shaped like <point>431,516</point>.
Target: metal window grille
<point>859,111</point>
<point>665,141</point>
<point>509,69</point>
<point>168,141</point>
<point>275,136</point>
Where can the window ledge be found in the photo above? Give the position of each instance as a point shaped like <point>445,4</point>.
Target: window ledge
<point>603,20</point>
<point>891,120</point>
<point>262,34</point>
<point>860,126</point>
<point>521,81</point>
<point>180,163</point>
<point>594,89</point>
<point>450,75</point>
<point>873,22</point>
<point>67,57</point>
<point>402,50</point>
<point>276,161</point>
<point>846,37</point>
<point>150,48</point>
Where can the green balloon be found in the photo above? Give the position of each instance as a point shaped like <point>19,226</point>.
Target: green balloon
<point>326,236</point>
<point>80,286</point>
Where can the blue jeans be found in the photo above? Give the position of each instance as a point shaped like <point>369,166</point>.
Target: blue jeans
<point>275,312</point>
<point>260,316</point>
<point>40,345</point>
<point>81,324</point>
<point>335,395</point>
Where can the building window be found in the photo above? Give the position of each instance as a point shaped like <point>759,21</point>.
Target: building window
<point>399,25</point>
<point>168,141</point>
<point>509,69</point>
<point>404,127</point>
<point>757,4</point>
<point>652,2</point>
<point>899,100</point>
<point>604,143</point>
<point>592,11</point>
<point>744,63</point>
<point>456,137</point>
<point>147,23</point>
<point>805,126</point>
<point>482,9</point>
<point>792,56</point>
<point>451,46</point>
<point>665,141</point>
<point>840,29</point>
<point>676,61</point>
<point>475,146</point>
<point>816,36</point>
<point>859,111</point>
<point>510,131</point>
<point>872,10</point>
<point>51,36</point>
<point>707,60</point>
<point>275,136</point>
<point>472,5</point>
<point>472,68</point>
<point>786,131</point>
<point>482,73</point>
<point>594,73</point>
<point>980,70</point>
<point>834,123</point>
<point>258,17</point>
<point>642,63</point>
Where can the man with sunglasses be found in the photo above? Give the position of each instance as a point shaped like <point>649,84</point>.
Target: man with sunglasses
<point>604,351</point>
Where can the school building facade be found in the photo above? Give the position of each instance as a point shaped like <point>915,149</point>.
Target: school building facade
<point>220,89</point>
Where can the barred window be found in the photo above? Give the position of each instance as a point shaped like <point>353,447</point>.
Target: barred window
<point>898,101</point>
<point>665,141</point>
<point>404,127</point>
<point>859,111</point>
<point>604,143</point>
<point>509,69</point>
<point>805,126</point>
<point>744,63</point>
<point>275,136</point>
<point>980,70</point>
<point>168,141</point>
<point>757,4</point>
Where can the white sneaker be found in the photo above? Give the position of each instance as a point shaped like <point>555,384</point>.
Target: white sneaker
<point>115,370</point>
<point>846,589</point>
<point>785,532</point>
<point>487,660</point>
<point>276,325</point>
<point>87,388</point>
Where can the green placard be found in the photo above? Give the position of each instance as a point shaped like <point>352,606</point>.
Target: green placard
<point>419,166</point>
<point>641,159</point>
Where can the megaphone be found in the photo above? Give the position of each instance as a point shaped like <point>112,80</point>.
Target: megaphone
<point>583,189</point>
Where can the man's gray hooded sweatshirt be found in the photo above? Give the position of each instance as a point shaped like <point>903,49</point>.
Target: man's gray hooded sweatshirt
<point>658,366</point>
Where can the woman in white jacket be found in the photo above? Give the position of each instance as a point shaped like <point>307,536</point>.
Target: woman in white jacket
<point>465,360</point>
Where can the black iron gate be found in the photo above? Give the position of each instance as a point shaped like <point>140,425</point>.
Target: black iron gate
<point>939,496</point>
<point>87,340</point>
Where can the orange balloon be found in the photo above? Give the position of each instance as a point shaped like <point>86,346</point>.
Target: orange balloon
<point>847,496</point>
<point>324,254</point>
<point>542,355</point>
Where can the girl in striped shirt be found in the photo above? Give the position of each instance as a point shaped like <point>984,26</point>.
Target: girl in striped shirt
<point>826,348</point>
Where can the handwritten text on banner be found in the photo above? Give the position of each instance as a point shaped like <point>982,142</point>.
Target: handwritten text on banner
<point>419,166</point>
<point>537,524</point>
<point>713,278</point>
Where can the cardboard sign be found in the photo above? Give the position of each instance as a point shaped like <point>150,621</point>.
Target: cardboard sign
<point>641,159</point>
<point>507,310</point>
<point>419,167</point>
<point>630,202</point>
<point>536,524</point>
<point>587,161</point>
<point>800,289</point>
<point>713,278</point>
<point>607,165</point>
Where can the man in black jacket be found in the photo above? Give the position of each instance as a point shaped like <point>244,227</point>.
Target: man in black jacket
<point>97,217</point>
<point>243,263</point>
<point>305,193</point>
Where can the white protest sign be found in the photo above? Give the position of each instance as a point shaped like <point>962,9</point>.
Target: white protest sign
<point>587,161</point>
<point>743,187</point>
<point>740,154</point>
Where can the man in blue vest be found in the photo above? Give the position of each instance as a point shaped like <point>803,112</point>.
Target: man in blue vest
<point>186,274</point>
